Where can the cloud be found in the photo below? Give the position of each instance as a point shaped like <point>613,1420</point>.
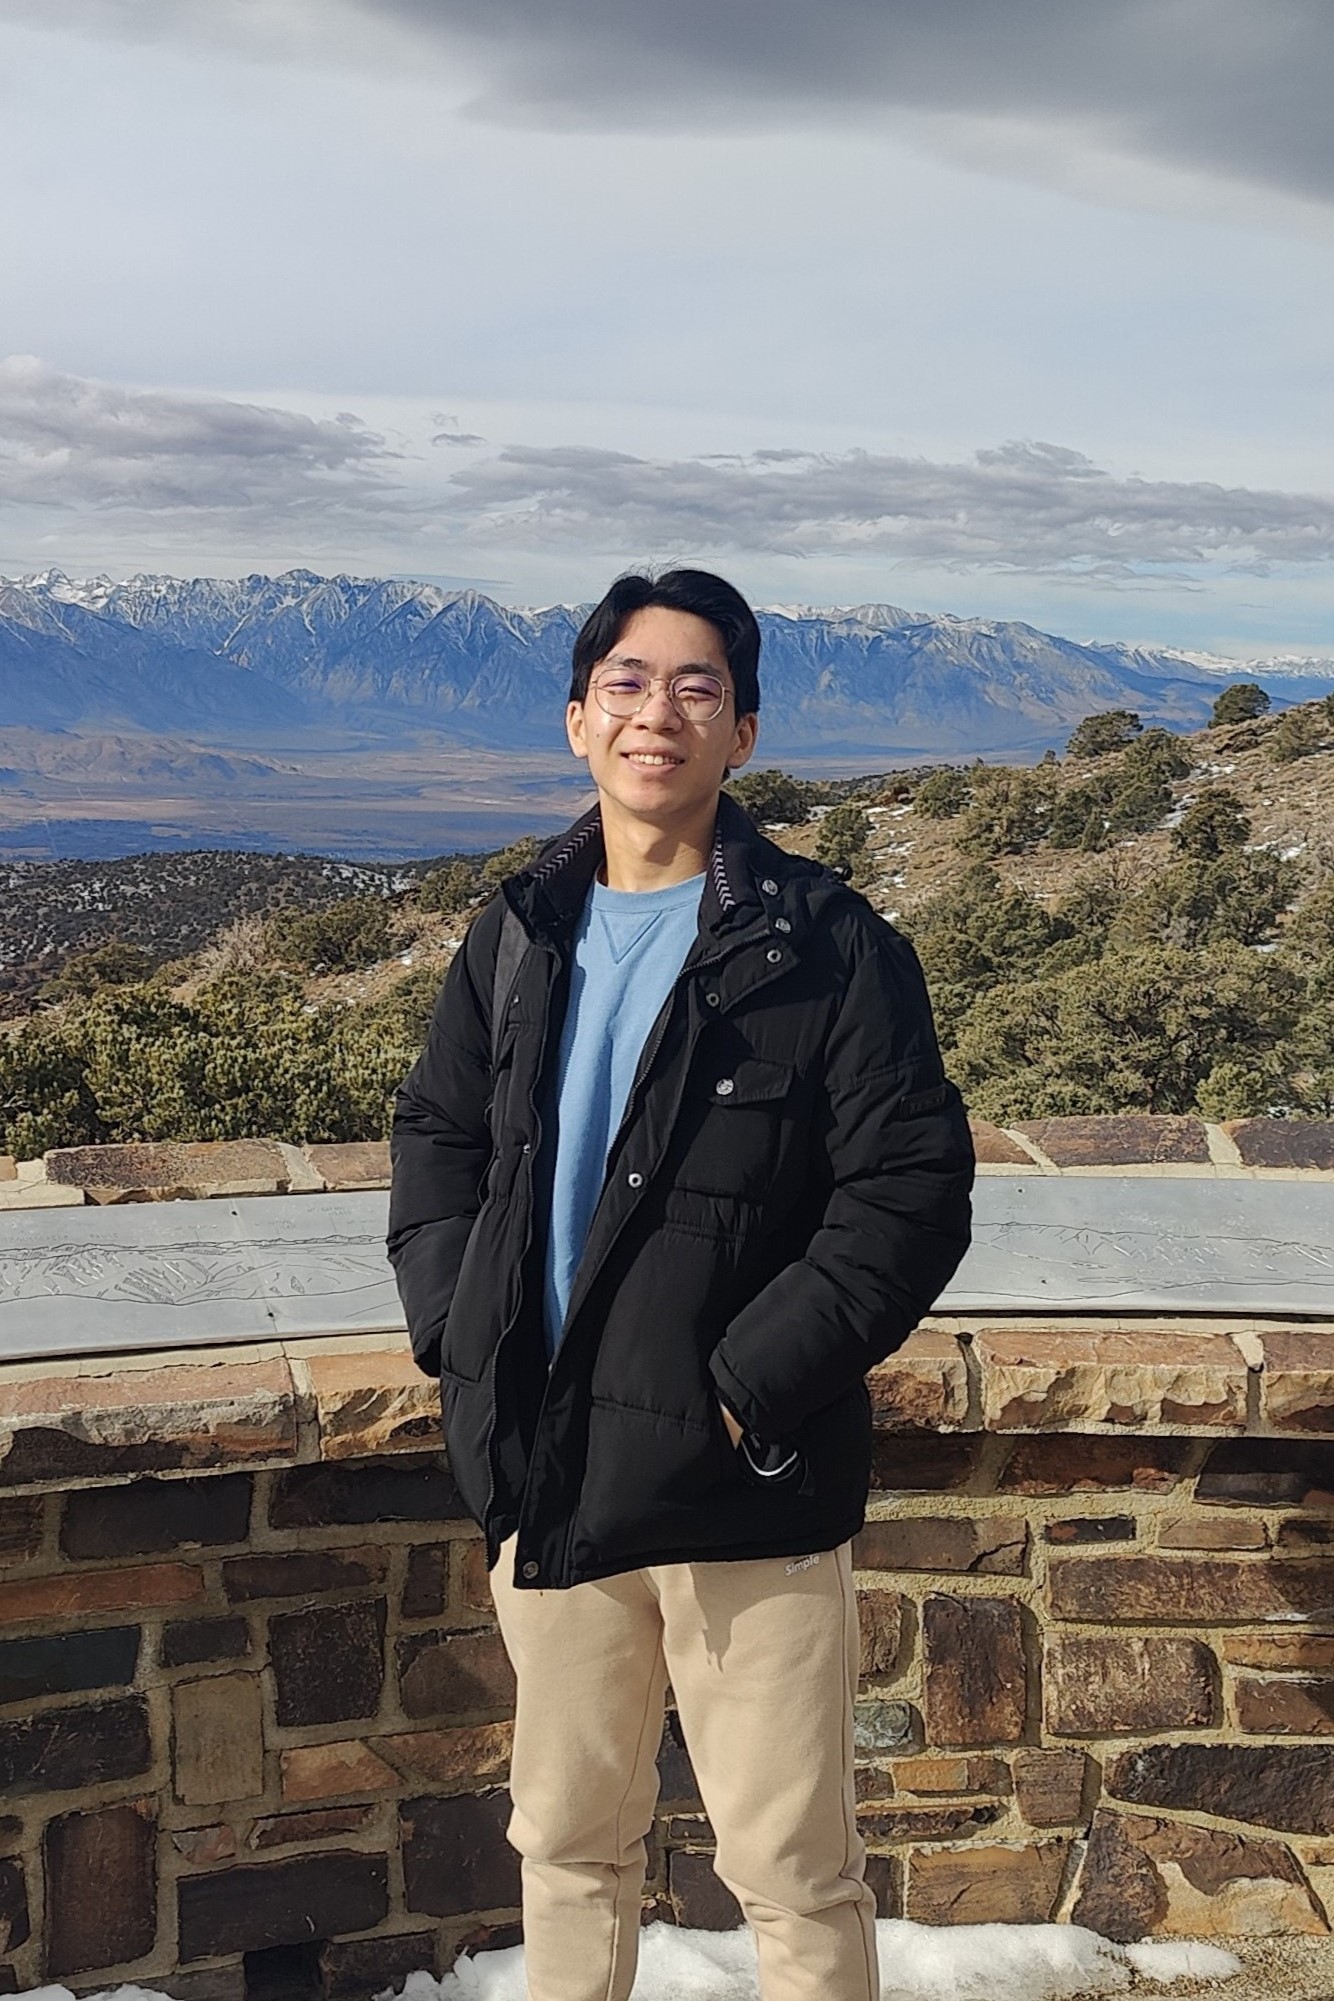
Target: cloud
<point>1233,89</point>
<point>73,444</point>
<point>176,467</point>
<point>1031,508</point>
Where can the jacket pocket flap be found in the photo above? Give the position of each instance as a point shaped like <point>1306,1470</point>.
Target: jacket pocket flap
<point>752,1081</point>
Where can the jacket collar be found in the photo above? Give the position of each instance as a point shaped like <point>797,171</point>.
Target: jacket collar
<point>747,882</point>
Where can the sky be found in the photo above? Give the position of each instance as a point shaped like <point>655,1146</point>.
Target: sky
<point>1019,310</point>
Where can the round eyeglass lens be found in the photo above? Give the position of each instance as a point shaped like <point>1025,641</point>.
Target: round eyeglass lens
<point>620,691</point>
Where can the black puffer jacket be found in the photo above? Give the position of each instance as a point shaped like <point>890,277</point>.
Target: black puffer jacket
<point>786,1196</point>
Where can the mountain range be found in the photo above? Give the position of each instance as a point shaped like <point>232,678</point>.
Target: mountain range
<point>282,710</point>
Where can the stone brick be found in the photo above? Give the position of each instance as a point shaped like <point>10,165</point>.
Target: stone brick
<point>1212,1532</point>
<point>1114,1684</point>
<point>176,1419</point>
<point>986,1885</point>
<point>699,1897</point>
<point>1091,1528</point>
<point>987,1545</point>
<point>352,1968</point>
<point>1288,1708</point>
<point>882,1726</point>
<point>1209,1591</point>
<point>1049,1786</point>
<point>285,1830</point>
<point>1123,1139</point>
<point>358,1163</point>
<point>101,1888</point>
<point>922,1462</point>
<point>923,1385</point>
<point>1058,1378</point>
<point>1300,1143</point>
<point>975,1674</point>
<point>1298,1653</point>
<point>209,1983</point>
<point>63,1750</point>
<point>1305,1533</point>
<point>22,1519</point>
<point>63,1663</point>
<point>372,1403</point>
<point>1268,1473</point>
<point>15,1926</point>
<point>676,1774</point>
<point>75,1592</point>
<point>138,1171</point>
<point>994,1147</point>
<point>189,1642</point>
<point>205,1845</point>
<point>927,1823</point>
<point>328,1662</point>
<point>453,1674</point>
<point>455,1855</point>
<point>880,1616</point>
<point>426,1586</point>
<point>302,1573</point>
<point>474,1578</point>
<point>932,1776</point>
<point>1297,1384</point>
<point>329,1771</point>
<point>281,1903</point>
<point>11,1832</point>
<point>153,1516</point>
<point>1286,1786</point>
<point>1051,1466</point>
<point>218,1739</point>
<point>1143,1875</point>
<point>465,1759</point>
<point>374,1492</point>
<point>883,1881</point>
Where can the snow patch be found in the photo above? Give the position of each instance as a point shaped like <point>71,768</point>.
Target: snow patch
<point>917,1963</point>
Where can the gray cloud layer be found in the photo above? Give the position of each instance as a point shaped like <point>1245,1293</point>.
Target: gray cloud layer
<point>1237,88</point>
<point>1027,507</point>
<point>176,464</point>
<point>74,444</point>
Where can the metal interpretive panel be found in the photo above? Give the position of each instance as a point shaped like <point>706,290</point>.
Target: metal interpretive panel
<point>176,1274</point>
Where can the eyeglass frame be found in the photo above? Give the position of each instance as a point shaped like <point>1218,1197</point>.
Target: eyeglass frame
<point>652,681</point>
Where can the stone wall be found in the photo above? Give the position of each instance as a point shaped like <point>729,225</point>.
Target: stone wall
<point>253,1708</point>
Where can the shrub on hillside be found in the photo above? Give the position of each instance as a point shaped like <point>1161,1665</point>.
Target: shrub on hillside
<point>448,889</point>
<point>1010,813</point>
<point>508,861</point>
<point>357,932</point>
<point>1297,733</point>
<point>841,841</point>
<point>774,798</point>
<point>115,964</point>
<point>943,795</point>
<point>245,1057</point>
<point>1241,702</point>
<point>1099,735</point>
<point>1214,822</point>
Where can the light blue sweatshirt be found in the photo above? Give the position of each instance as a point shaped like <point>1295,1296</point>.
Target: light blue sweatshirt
<point>628,949</point>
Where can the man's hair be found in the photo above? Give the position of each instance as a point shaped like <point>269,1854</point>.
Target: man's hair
<point>696,591</point>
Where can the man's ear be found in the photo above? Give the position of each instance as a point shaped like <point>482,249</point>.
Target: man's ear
<point>575,730</point>
<point>743,742</point>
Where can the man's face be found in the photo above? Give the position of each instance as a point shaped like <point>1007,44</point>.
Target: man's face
<point>656,765</point>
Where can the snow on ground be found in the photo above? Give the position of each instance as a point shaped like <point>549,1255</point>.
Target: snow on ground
<point>917,1963</point>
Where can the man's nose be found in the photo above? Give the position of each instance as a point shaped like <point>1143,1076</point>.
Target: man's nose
<point>659,708</point>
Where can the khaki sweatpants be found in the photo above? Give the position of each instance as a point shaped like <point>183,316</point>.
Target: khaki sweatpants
<point>762,1658</point>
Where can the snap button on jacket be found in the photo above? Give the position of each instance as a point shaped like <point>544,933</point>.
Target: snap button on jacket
<point>786,1196</point>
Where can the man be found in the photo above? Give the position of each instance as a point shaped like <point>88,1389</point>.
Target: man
<point>678,1164</point>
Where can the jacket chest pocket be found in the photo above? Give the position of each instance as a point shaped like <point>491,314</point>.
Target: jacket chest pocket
<point>733,1118</point>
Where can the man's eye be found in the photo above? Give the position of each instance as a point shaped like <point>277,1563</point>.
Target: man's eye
<point>697,688</point>
<point>621,684</point>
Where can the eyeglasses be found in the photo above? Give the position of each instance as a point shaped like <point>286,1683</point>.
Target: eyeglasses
<point>697,697</point>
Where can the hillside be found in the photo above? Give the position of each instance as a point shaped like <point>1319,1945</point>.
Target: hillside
<point>1150,927</point>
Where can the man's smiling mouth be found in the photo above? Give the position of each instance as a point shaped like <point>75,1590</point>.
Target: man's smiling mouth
<point>652,757</point>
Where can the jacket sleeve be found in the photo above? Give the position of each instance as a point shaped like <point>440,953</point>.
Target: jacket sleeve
<point>440,1142</point>
<point>897,1220</point>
